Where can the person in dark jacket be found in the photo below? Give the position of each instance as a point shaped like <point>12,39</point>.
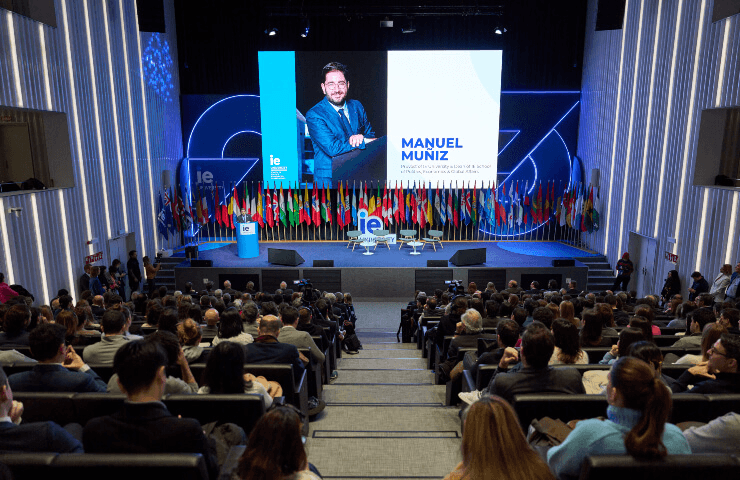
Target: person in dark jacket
<point>699,286</point>
<point>624,272</point>
<point>134,272</point>
<point>671,287</point>
<point>719,374</point>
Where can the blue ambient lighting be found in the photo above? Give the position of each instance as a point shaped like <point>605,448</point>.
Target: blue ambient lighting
<point>157,64</point>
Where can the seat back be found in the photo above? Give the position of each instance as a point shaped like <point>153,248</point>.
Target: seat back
<point>239,408</point>
<point>42,406</point>
<point>563,406</point>
<point>671,467</point>
<point>121,466</point>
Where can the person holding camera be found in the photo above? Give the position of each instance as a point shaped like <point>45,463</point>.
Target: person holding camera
<point>151,273</point>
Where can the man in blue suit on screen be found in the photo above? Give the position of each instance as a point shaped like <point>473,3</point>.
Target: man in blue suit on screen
<point>337,125</point>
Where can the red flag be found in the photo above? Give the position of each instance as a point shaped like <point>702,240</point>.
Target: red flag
<point>384,210</point>
<point>236,202</point>
<point>412,204</point>
<point>526,206</point>
<point>347,206</point>
<point>217,207</point>
<point>315,213</point>
<point>422,208</point>
<point>268,208</point>
<point>540,213</point>
<point>225,210</point>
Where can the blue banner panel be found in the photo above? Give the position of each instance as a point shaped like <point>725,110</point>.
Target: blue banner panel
<point>280,125</point>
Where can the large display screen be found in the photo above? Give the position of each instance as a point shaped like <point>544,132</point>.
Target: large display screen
<point>397,116</point>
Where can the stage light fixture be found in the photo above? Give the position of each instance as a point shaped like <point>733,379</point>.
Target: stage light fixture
<point>386,23</point>
<point>271,31</point>
<point>409,27</point>
<point>306,27</point>
<point>499,30</point>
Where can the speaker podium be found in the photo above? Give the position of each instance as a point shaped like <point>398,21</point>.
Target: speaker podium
<point>247,243</point>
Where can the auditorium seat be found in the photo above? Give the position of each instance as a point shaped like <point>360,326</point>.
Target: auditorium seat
<point>95,466</point>
<point>671,467</point>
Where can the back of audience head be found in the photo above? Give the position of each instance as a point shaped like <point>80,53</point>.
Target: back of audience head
<point>537,345</point>
<point>46,341</point>
<point>729,317</point>
<point>493,445</point>
<point>565,336</point>
<point>649,353</point>
<point>627,337</point>
<point>591,329</point>
<point>567,311</point>
<point>230,324</point>
<point>605,313</point>
<point>519,315</point>
<point>270,325</point>
<point>17,318</point>
<point>138,363</point>
<point>699,318</point>
<point>508,333</point>
<point>224,372</point>
<point>289,316</point>
<point>472,321</point>
<point>113,322</point>
<point>169,342</point>
<point>188,332</point>
<point>69,321</point>
<point>250,313</point>
<point>643,324</point>
<point>633,384</point>
<point>168,320</point>
<point>543,315</point>
<point>275,448</point>
<point>153,312</point>
<point>269,308</point>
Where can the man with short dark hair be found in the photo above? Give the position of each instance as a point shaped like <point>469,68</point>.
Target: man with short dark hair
<point>697,321</point>
<point>337,124</point>
<point>29,437</point>
<point>103,352</point>
<point>729,319</point>
<point>85,278</point>
<point>134,272</point>
<point>144,425</point>
<point>699,286</point>
<point>535,376</point>
<point>60,368</point>
<point>719,374</point>
<point>16,322</point>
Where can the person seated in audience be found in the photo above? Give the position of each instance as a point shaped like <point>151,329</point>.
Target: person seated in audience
<point>291,335</point>
<point>69,320</point>
<point>698,319</point>
<point>447,325</point>
<point>306,325</point>
<point>250,314</point>
<point>29,437</point>
<point>711,333</point>
<point>97,306</point>
<point>153,312</point>
<point>168,320</point>
<point>188,332</point>
<point>533,375</point>
<point>224,373</point>
<point>468,331</point>
<point>113,325</point>
<point>211,327</point>
<point>230,329</point>
<point>267,349</point>
<point>627,337</point>
<point>729,319</point>
<point>621,318</point>
<point>507,335</point>
<point>567,350</point>
<point>721,435</point>
<point>591,331</point>
<point>143,424</point>
<point>719,374</point>
<point>275,449</point>
<point>682,312</point>
<point>59,367</point>
<point>175,358</point>
<point>567,311</point>
<point>513,288</point>
<point>643,324</point>
<point>493,445</point>
<point>606,314</point>
<point>649,353</point>
<point>15,324</point>
<point>639,405</point>
<point>325,318</point>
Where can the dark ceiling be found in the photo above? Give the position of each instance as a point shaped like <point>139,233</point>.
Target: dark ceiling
<point>218,41</point>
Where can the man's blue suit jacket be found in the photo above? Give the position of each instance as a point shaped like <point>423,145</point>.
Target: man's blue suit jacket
<point>328,136</point>
<point>56,378</point>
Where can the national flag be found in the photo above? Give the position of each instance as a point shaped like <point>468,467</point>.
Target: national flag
<point>296,208</point>
<point>449,204</point>
<point>363,198</point>
<point>384,205</point>
<point>406,204</point>
<point>184,210</point>
<point>346,205</point>
<point>169,219</point>
<point>428,200</point>
<point>473,203</point>
<point>257,212</point>
<point>456,207</point>
<point>199,209</point>
<point>443,206</point>
<point>269,218</point>
<point>371,202</point>
<point>421,207</point>
<point>306,206</point>
<point>482,202</point>
<point>396,200</point>
<point>438,203</point>
<point>510,212</point>
<point>235,208</point>
<point>535,207</point>
<point>283,216</point>
<point>323,204</point>
<point>354,205</point>
<point>466,205</point>
<point>301,210</point>
<point>289,206</point>
<point>413,205</point>
<point>340,204</point>
<point>519,210</point>
<point>162,219</point>
<point>275,206</point>
<point>491,204</point>
<point>328,207</point>
<point>546,208</point>
<point>316,213</point>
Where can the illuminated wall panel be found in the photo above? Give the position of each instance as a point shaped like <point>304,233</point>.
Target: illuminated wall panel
<point>94,75</point>
<point>683,63</point>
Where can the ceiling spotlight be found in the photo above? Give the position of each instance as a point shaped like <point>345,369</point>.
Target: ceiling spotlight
<point>386,23</point>
<point>409,27</point>
<point>499,30</point>
<point>305,27</point>
<point>271,31</point>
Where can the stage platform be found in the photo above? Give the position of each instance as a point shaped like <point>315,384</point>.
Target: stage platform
<point>390,272</point>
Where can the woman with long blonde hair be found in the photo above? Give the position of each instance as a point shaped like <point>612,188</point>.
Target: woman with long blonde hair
<point>494,447</point>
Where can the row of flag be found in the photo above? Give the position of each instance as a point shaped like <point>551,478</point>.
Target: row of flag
<point>508,208</point>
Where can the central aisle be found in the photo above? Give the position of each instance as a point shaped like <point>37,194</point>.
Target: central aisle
<point>384,417</point>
